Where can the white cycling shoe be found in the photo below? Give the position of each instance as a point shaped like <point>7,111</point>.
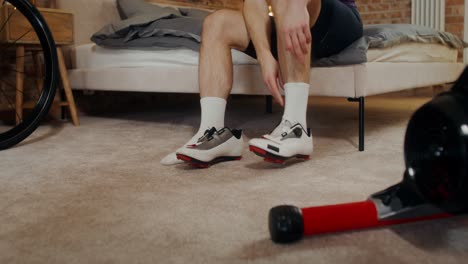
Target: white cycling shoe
<point>287,141</point>
<point>213,147</point>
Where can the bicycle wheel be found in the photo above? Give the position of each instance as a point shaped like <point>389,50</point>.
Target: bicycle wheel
<point>35,66</point>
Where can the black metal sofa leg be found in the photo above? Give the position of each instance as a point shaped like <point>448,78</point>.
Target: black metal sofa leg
<point>360,100</point>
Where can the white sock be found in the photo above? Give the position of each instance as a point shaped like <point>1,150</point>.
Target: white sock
<point>212,115</point>
<point>297,97</point>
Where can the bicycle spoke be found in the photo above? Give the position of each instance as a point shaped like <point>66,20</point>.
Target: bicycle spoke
<point>7,83</point>
<point>35,78</point>
<point>14,42</point>
<point>36,98</point>
<point>26,75</point>
<point>17,57</point>
<point>6,22</point>
<point>12,105</point>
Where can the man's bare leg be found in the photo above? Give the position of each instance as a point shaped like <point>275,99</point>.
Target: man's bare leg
<point>291,138</point>
<point>295,73</point>
<point>222,31</point>
<point>291,69</point>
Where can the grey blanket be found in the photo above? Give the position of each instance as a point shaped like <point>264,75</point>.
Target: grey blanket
<point>167,33</point>
<point>150,26</point>
<point>146,25</point>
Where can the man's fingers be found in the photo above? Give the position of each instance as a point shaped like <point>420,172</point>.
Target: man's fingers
<point>297,48</point>
<point>280,78</point>
<point>307,34</point>
<point>275,92</point>
<point>303,42</point>
<point>287,42</point>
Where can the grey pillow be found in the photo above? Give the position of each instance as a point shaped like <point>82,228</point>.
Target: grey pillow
<point>138,12</point>
<point>388,35</point>
<point>131,8</point>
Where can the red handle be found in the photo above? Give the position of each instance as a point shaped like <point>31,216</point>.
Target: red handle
<point>351,216</point>
<point>340,217</point>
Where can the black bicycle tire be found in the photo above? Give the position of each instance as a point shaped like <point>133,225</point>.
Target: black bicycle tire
<point>30,123</point>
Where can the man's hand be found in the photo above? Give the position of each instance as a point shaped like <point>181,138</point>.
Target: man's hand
<point>296,29</point>
<point>272,76</point>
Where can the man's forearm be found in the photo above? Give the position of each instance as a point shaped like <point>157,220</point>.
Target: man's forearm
<point>258,25</point>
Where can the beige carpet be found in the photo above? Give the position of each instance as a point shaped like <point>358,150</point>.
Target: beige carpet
<point>97,193</point>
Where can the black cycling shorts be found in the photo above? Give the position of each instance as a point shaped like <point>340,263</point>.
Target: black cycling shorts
<point>337,26</point>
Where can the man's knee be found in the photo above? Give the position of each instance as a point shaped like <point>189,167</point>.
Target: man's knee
<point>313,8</point>
<point>214,25</point>
<point>226,27</point>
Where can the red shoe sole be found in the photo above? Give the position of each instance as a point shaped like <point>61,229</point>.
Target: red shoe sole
<point>202,164</point>
<point>269,157</point>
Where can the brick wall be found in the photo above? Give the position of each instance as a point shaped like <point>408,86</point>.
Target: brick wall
<point>385,11</point>
<point>211,4</point>
<point>399,11</point>
<point>454,13</point>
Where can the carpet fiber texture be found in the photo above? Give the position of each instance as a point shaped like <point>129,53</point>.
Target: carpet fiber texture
<point>97,193</point>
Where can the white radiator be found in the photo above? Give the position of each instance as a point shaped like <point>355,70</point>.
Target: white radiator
<point>430,13</point>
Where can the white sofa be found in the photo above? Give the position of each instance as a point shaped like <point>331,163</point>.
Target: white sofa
<point>387,71</point>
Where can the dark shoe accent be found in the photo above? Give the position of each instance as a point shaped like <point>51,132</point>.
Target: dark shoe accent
<point>273,148</point>
<point>202,164</point>
<point>237,133</point>
<point>269,157</point>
